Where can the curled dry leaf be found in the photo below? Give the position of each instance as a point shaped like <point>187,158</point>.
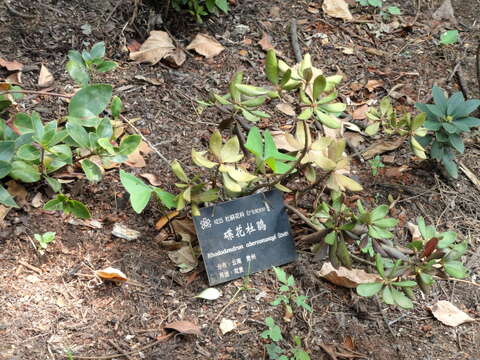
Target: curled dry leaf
<point>111,274</point>
<point>227,325</point>
<point>11,65</point>
<point>18,191</point>
<point>3,212</point>
<point>155,48</point>
<point>449,314</point>
<point>206,45</point>
<point>15,78</point>
<point>345,277</point>
<point>165,219</point>
<point>373,84</point>
<point>136,160</point>
<point>265,42</point>
<point>337,9</point>
<point>45,79</point>
<point>152,179</point>
<point>176,58</point>
<point>37,200</point>
<point>144,148</point>
<point>382,146</point>
<point>184,327</point>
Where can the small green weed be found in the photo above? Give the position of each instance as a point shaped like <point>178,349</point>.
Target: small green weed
<point>44,240</point>
<point>376,164</point>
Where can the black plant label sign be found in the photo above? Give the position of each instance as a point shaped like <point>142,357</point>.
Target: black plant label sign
<point>244,236</point>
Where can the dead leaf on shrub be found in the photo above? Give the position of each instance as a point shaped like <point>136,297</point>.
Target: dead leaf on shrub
<point>395,172</point>
<point>155,48</point>
<point>152,179</point>
<point>382,146</point>
<point>111,274</point>
<point>345,277</point>
<point>205,45</point>
<point>449,314</point>
<point>185,229</point>
<point>184,327</point>
<point>337,9</point>
<point>11,65</point>
<point>45,79</point>
<point>414,231</point>
<point>165,219</point>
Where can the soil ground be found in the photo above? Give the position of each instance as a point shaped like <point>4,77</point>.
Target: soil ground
<point>54,305</point>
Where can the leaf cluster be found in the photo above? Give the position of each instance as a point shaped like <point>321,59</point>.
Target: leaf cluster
<point>201,8</point>
<point>44,240</point>
<point>447,119</point>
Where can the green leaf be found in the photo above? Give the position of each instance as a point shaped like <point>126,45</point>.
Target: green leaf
<point>448,238</point>
<point>379,212</point>
<point>230,152</point>
<point>116,107</point>
<point>91,170</point>
<point>7,150</point>
<point>90,101</point>
<point>77,208</point>
<point>25,172</point>
<point>106,66</point>
<point>281,275</point>
<point>372,129</point>
<point>167,199</point>
<point>251,90</point>
<point>215,143</point>
<point>271,67</point>
<point>379,233</point>
<point>401,299</point>
<point>467,107</point>
<point>98,50</point>
<point>369,289</point>
<point>253,102</point>
<point>78,134</point>
<point>406,283</point>
<point>106,145</point>
<point>331,237</point>
<point>439,98</point>
<point>426,278</point>
<point>249,116</point>
<point>456,101</point>
<point>78,72</point>
<point>54,184</point>
<point>139,192</point>
<point>327,120</point>
<point>6,199</point>
<point>387,296</point>
<point>457,142</point>
<point>319,85</point>
<point>234,92</point>
<point>449,37</point>
<point>455,269</point>
<point>386,223</point>
<point>394,10</point>
<point>306,114</point>
<point>379,265</point>
<point>254,142</point>
<point>104,129</point>
<point>222,5</point>
<point>5,168</point>
<point>450,128</point>
<point>451,167</point>
<point>129,144</point>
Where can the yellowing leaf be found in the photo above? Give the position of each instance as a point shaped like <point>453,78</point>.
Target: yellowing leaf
<point>205,45</point>
<point>346,183</point>
<point>200,160</point>
<point>239,174</point>
<point>165,219</point>
<point>111,274</point>
<point>230,184</point>
<point>231,151</point>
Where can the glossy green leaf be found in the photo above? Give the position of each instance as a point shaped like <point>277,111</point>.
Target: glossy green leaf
<point>77,209</point>
<point>106,66</point>
<point>116,107</point>
<point>271,66</point>
<point>455,269</point>
<point>129,144</point>
<point>90,101</point>
<point>78,72</point>
<point>25,172</point>
<point>7,150</point>
<point>140,193</point>
<point>369,289</point>
<point>78,134</point>
<point>449,37</point>
<point>401,299</point>
<point>91,170</point>
<point>387,296</point>
<point>6,199</point>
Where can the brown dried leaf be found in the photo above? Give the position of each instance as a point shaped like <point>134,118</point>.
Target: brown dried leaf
<point>382,146</point>
<point>11,65</point>
<point>3,212</point>
<point>15,78</point>
<point>337,9</point>
<point>136,160</point>
<point>345,277</point>
<point>205,45</point>
<point>165,219</point>
<point>449,314</point>
<point>265,42</point>
<point>111,274</point>
<point>184,327</point>
<point>360,112</point>
<point>45,79</point>
<point>227,325</point>
<point>445,12</point>
<point>155,48</point>
<point>286,108</point>
<point>354,139</point>
<point>144,148</point>
<point>151,81</point>
<point>184,258</point>
<point>152,179</point>
<point>176,58</point>
<point>17,191</point>
<point>373,84</point>
<point>37,200</point>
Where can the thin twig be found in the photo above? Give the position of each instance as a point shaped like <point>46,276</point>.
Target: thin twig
<point>241,138</point>
<point>458,280</point>
<point>36,92</point>
<point>478,64</point>
<point>294,39</point>
<point>119,349</point>
<point>304,218</point>
<point>145,139</point>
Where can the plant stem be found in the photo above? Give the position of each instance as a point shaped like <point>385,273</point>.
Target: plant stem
<point>303,217</point>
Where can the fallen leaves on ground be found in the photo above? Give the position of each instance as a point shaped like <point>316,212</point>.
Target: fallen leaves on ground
<point>382,146</point>
<point>165,219</point>
<point>414,231</point>
<point>184,327</point>
<point>373,84</point>
<point>209,294</point>
<point>135,159</point>
<point>337,9</point>
<point>345,277</point>
<point>360,112</point>
<point>152,179</point>
<point>155,48</point>
<point>266,42</point>
<point>3,212</point>
<point>123,232</point>
<point>15,78</point>
<point>11,65</point>
<point>449,314</point>
<point>185,257</point>
<point>112,274</point>
<point>45,79</point>
<point>286,108</point>
<point>445,12</point>
<point>18,192</point>
<point>37,200</point>
<point>227,325</point>
<point>205,45</point>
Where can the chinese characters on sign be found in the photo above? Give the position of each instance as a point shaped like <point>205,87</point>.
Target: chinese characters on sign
<point>244,236</point>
